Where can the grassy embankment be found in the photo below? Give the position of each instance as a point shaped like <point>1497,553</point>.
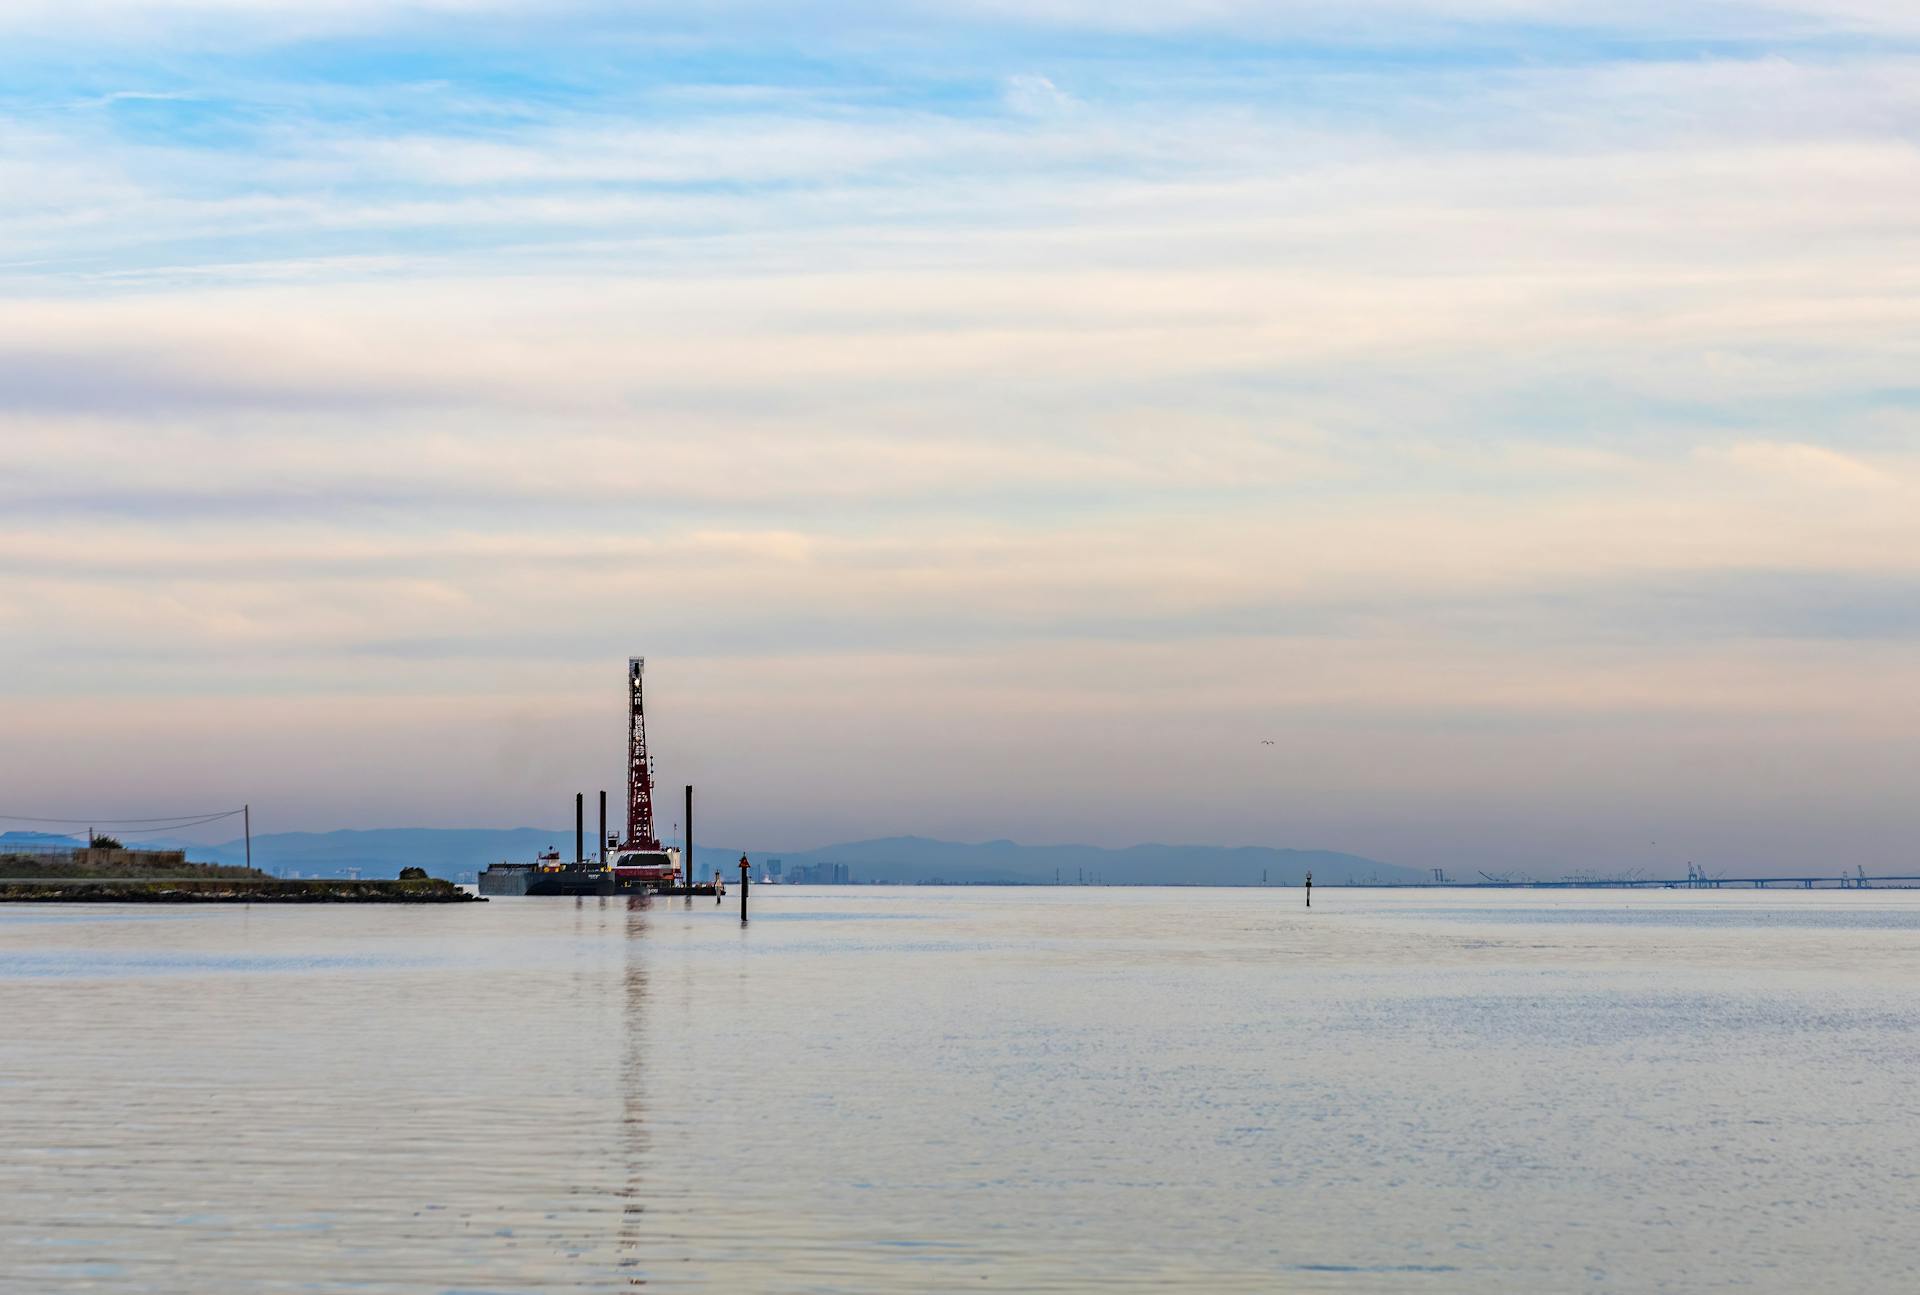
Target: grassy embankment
<point>143,877</point>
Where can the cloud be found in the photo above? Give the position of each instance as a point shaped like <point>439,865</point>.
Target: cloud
<point>138,96</point>
<point>1468,405</point>
<point>1037,96</point>
<point>1403,21</point>
<point>1806,466</point>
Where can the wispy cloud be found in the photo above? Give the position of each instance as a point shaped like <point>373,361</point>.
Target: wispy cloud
<point>1457,373</point>
<point>1037,96</point>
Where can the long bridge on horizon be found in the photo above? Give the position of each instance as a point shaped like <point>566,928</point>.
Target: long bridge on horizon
<point>1696,879</point>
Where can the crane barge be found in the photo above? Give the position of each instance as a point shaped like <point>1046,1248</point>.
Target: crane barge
<point>639,862</point>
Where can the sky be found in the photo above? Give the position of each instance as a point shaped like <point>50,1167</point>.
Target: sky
<point>1469,433</point>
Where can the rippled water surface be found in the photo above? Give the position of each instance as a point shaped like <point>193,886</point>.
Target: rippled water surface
<point>881,1089</point>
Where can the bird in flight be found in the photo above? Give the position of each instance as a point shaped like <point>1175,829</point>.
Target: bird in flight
<point>1266,741</point>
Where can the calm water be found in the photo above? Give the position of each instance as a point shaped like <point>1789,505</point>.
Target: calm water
<point>879,1089</point>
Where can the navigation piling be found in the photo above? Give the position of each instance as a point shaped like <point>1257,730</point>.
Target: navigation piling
<point>745,868</point>
<point>686,864</point>
<point>1309,890</point>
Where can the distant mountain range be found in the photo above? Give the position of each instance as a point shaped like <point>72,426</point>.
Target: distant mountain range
<point>39,841</point>
<point>450,852</point>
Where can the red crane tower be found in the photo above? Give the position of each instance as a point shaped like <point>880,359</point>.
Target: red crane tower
<point>640,833</point>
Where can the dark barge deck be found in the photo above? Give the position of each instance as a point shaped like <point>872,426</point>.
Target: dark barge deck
<point>515,880</point>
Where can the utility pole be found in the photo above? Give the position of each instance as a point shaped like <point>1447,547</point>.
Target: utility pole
<point>246,820</point>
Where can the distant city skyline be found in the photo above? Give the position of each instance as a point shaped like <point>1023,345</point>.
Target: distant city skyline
<point>988,420</point>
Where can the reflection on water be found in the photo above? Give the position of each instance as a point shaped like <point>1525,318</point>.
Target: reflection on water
<point>878,1089</point>
<point>633,1087</point>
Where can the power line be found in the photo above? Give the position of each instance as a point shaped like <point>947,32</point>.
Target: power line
<point>158,823</point>
<point>173,827</point>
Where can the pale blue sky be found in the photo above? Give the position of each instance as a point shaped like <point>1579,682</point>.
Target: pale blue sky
<point>992,419</point>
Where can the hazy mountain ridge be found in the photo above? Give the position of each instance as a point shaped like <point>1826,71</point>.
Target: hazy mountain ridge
<point>451,851</point>
<point>383,851</point>
<point>47,840</point>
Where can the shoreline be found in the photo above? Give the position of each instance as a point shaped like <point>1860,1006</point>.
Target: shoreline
<point>221,891</point>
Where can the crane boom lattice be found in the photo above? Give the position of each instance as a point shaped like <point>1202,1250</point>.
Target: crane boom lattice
<point>640,830</point>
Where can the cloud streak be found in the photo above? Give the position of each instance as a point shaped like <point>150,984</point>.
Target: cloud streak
<point>936,390</point>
